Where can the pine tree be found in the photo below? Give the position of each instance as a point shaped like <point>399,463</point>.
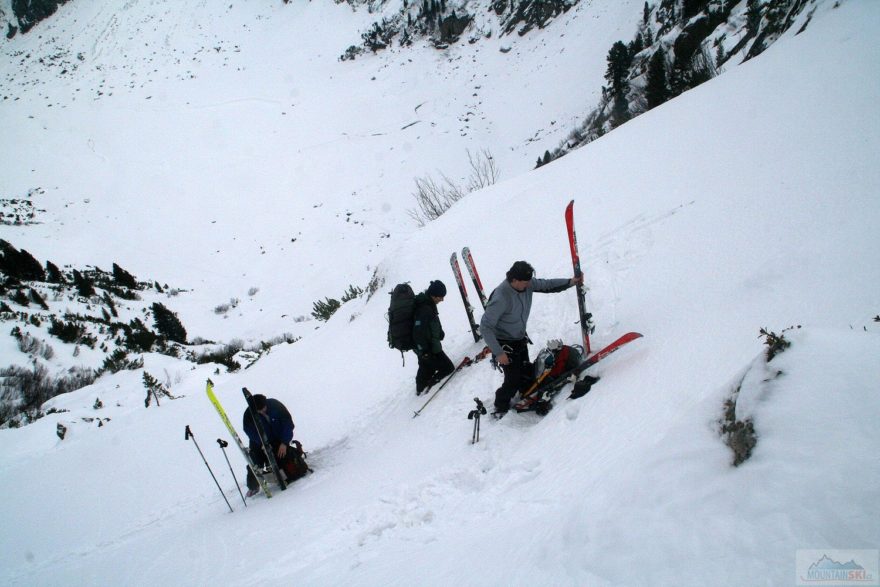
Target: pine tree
<point>620,111</point>
<point>19,264</point>
<point>53,274</point>
<point>83,284</point>
<point>167,324</point>
<point>657,90</point>
<point>123,277</point>
<point>323,310</point>
<point>753,16</point>
<point>619,60</point>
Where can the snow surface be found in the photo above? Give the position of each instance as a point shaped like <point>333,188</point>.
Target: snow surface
<point>749,202</point>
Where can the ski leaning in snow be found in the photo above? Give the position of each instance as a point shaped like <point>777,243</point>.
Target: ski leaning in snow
<point>585,316</point>
<point>244,451</point>
<point>546,390</point>
<point>475,277</point>
<point>264,438</point>
<point>456,271</point>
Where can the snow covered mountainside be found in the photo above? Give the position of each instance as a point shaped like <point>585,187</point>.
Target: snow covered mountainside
<point>264,163</point>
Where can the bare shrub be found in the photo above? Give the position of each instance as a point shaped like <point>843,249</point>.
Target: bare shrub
<point>434,197</point>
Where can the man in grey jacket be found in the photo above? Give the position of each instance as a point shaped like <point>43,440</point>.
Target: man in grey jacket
<point>504,328</point>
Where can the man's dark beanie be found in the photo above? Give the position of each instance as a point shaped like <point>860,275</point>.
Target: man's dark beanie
<point>259,401</point>
<point>437,289</point>
<point>521,271</point>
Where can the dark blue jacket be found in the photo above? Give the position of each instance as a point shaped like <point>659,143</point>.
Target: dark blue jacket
<point>278,425</point>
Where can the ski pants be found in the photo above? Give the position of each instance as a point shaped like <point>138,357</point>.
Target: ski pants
<point>518,374</point>
<point>432,368</point>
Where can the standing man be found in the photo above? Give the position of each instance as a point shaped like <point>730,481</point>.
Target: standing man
<point>278,425</point>
<point>504,328</point>
<point>434,365</point>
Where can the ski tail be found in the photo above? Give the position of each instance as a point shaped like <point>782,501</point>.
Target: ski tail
<point>585,317</point>
<point>235,437</point>
<point>264,438</point>
<point>456,271</point>
<point>468,260</point>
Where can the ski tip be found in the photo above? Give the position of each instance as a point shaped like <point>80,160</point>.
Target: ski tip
<point>209,382</point>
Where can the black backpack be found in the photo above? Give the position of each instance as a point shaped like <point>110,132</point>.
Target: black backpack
<point>294,464</point>
<point>401,313</point>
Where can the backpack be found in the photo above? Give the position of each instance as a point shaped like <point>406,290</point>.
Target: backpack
<point>558,360</point>
<point>294,464</point>
<point>401,312</point>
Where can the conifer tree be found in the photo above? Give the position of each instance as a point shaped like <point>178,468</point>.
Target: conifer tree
<point>53,274</point>
<point>83,284</point>
<point>123,277</point>
<point>619,60</point>
<point>167,324</point>
<point>656,89</point>
<point>19,264</point>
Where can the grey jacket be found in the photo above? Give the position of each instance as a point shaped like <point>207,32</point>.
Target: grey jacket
<point>507,312</point>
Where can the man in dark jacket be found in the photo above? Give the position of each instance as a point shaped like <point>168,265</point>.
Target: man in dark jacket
<point>434,365</point>
<point>504,328</point>
<point>278,425</point>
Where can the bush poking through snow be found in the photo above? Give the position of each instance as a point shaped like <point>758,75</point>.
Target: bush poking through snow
<point>34,387</point>
<point>223,356</point>
<point>31,345</point>
<point>739,433</point>
<point>118,361</point>
<point>776,343</point>
<point>154,389</point>
<point>352,293</point>
<point>434,198</point>
<point>323,310</point>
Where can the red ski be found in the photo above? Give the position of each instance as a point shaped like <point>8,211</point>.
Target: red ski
<point>585,317</point>
<point>456,271</point>
<point>475,277</point>
<point>549,388</point>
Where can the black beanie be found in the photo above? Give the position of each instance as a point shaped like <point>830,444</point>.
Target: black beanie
<point>436,289</point>
<point>520,271</point>
<point>259,402</point>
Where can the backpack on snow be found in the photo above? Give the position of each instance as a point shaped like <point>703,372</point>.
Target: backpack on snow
<point>401,312</point>
<point>294,464</point>
<point>558,360</point>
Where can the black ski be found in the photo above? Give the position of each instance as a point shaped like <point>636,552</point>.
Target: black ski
<point>456,271</point>
<point>475,277</point>
<point>264,438</point>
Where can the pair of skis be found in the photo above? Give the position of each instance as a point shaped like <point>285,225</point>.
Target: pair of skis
<point>264,439</point>
<point>478,285</point>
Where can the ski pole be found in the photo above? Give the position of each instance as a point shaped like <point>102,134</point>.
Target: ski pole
<point>223,444</point>
<point>475,416</point>
<point>464,362</point>
<point>189,435</point>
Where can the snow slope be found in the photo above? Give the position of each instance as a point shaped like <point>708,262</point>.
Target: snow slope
<point>748,202</point>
